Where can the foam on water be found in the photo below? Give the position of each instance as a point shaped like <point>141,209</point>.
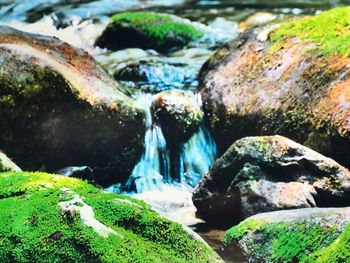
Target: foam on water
<point>151,180</point>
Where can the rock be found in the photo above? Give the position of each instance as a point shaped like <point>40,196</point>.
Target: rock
<point>148,30</point>
<point>301,235</point>
<point>80,172</point>
<point>6,165</point>
<point>64,219</point>
<point>59,108</point>
<point>178,114</point>
<point>292,81</point>
<point>261,174</point>
<point>257,19</point>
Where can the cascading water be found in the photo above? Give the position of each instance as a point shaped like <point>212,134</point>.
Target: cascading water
<point>153,170</point>
<point>151,178</point>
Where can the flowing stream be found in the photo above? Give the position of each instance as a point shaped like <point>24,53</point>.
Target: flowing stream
<point>153,179</point>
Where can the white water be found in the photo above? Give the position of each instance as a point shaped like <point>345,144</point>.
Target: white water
<point>153,170</point>
<point>151,180</point>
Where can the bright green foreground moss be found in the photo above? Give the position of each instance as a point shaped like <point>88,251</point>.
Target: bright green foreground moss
<point>158,25</point>
<point>338,251</point>
<point>283,242</point>
<point>34,229</point>
<point>330,30</point>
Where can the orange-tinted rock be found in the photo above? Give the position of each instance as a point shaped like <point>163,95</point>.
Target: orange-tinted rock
<point>249,88</point>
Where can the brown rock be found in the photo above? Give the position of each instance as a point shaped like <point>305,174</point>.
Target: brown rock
<point>58,108</point>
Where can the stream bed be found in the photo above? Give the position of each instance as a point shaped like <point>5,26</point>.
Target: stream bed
<point>157,179</point>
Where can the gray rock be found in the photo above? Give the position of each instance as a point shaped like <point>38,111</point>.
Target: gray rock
<point>261,174</point>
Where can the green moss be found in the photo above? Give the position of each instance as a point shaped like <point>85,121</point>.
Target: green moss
<point>329,30</point>
<point>338,251</point>
<point>282,242</point>
<point>243,228</point>
<point>34,229</point>
<point>158,25</point>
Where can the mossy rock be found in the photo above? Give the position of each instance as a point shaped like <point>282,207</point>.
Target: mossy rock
<point>58,108</point>
<point>302,235</point>
<point>290,79</point>
<point>329,30</point>
<point>178,114</point>
<point>148,30</point>
<point>7,165</point>
<point>51,218</point>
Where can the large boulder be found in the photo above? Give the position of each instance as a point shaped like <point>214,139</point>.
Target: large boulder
<point>52,218</point>
<point>148,30</point>
<point>302,235</point>
<point>178,114</point>
<point>58,108</point>
<point>261,174</point>
<point>290,79</point>
<point>6,165</point>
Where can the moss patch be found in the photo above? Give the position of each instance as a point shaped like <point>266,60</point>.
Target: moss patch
<point>338,251</point>
<point>148,30</point>
<point>34,229</point>
<point>282,242</point>
<point>158,25</point>
<point>329,30</point>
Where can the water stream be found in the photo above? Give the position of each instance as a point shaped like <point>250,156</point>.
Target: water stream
<point>153,179</point>
<point>80,22</point>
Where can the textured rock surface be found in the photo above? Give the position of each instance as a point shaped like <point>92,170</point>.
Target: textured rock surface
<point>48,218</point>
<point>148,30</point>
<point>6,165</point>
<point>59,108</point>
<point>292,81</point>
<point>260,174</point>
<point>302,235</point>
<point>178,114</point>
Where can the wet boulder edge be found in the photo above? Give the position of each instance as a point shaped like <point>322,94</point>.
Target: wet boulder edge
<point>59,108</point>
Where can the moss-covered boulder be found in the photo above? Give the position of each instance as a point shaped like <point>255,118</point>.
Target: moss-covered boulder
<point>6,165</point>
<point>302,235</point>
<point>148,30</point>
<point>52,218</point>
<point>290,79</point>
<point>261,174</point>
<point>178,114</point>
<point>58,108</point>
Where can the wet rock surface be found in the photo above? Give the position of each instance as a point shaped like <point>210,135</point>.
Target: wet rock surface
<point>59,108</point>
<point>302,235</point>
<point>7,165</point>
<point>260,174</point>
<point>178,114</point>
<point>264,83</point>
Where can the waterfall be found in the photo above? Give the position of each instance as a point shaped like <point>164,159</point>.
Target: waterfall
<point>151,179</point>
<point>153,171</point>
